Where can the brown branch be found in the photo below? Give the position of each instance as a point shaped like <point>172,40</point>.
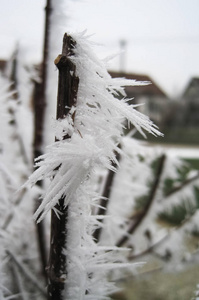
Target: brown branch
<point>39,102</point>
<point>67,93</point>
<point>15,95</point>
<point>168,254</point>
<point>40,87</point>
<point>180,187</point>
<point>10,216</point>
<point>148,250</point>
<point>105,196</point>
<point>13,74</point>
<point>26,272</point>
<point>19,283</point>
<point>138,219</point>
<point>170,193</point>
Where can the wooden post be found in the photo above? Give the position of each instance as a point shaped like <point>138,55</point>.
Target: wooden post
<point>67,94</point>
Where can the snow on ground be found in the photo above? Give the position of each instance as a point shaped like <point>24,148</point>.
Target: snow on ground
<point>185,151</point>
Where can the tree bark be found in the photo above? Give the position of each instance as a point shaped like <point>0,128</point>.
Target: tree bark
<point>67,93</point>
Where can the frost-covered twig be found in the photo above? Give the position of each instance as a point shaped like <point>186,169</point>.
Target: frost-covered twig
<point>139,218</point>
<point>14,109</point>
<point>149,249</point>
<point>181,186</point>
<point>39,102</point>
<point>26,272</point>
<point>106,195</point>
<point>39,96</point>
<point>10,216</point>
<point>19,283</point>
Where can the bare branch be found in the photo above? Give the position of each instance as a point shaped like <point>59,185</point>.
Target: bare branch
<point>180,187</point>
<point>18,279</point>
<point>10,216</point>
<point>26,272</point>
<point>139,218</point>
<point>105,196</point>
<point>149,249</point>
<point>39,101</point>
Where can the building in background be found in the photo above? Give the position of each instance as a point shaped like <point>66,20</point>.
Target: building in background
<point>178,120</point>
<point>151,95</point>
<point>190,99</point>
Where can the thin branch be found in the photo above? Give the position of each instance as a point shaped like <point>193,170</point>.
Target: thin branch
<point>18,279</point>
<point>39,100</point>
<point>10,216</point>
<point>105,196</point>
<point>39,97</point>
<point>26,272</point>
<point>15,92</point>
<point>139,218</point>
<point>171,192</point>
<point>184,184</point>
<point>149,249</point>
<point>164,258</point>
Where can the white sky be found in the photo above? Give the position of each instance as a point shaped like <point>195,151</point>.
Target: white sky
<point>162,36</point>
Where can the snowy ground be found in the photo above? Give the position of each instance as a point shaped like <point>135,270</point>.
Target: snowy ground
<point>179,150</point>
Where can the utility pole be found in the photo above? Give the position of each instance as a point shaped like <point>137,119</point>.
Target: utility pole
<point>123,44</point>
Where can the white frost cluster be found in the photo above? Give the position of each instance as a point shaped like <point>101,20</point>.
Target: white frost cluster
<point>96,130</point>
<point>131,184</point>
<point>15,156</point>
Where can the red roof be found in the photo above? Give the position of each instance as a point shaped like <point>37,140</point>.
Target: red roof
<point>149,90</point>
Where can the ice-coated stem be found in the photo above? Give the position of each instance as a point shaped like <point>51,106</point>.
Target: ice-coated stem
<point>67,93</point>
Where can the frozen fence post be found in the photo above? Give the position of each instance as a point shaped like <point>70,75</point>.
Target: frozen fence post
<point>67,92</point>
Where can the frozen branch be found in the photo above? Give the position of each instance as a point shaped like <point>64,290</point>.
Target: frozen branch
<point>39,98</point>
<point>148,250</point>
<point>180,187</point>
<point>106,195</point>
<point>26,272</point>
<point>139,218</point>
<point>19,282</point>
<point>10,216</point>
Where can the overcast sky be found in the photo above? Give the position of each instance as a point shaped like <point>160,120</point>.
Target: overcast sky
<point>162,36</point>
